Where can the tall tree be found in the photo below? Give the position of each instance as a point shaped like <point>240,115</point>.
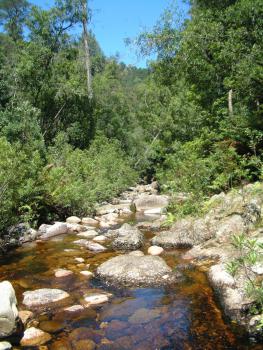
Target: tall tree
<point>84,20</point>
<point>12,16</point>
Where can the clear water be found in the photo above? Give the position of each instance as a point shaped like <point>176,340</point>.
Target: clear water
<point>183,316</point>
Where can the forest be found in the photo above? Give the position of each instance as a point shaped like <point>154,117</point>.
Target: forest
<point>192,120</point>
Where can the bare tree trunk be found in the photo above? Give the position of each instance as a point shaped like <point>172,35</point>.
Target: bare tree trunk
<point>86,47</point>
<point>230,102</point>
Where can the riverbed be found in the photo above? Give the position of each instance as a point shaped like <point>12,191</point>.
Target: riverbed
<point>181,316</point>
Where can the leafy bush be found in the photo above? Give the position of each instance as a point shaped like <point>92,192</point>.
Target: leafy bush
<point>76,179</point>
<point>249,254</point>
<point>19,187</point>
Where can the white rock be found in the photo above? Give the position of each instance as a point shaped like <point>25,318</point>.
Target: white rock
<point>74,308</point>
<point>73,220</point>
<point>81,242</point>
<point>88,234</point>
<point>87,273</point>
<point>72,228</point>
<point>4,345</point>
<point>257,268</point>
<point>34,337</point>
<point>63,273</point>
<point>95,247</point>
<point>154,211</point>
<point>136,253</point>
<point>100,238</point>
<point>95,299</point>
<point>155,250</point>
<point>8,309</point>
<point>220,277</point>
<point>148,202</point>
<point>43,296</point>
<point>89,221</point>
<point>80,260</point>
<point>58,228</point>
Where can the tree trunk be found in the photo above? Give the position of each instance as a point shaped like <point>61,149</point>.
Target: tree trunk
<point>230,102</point>
<point>86,47</point>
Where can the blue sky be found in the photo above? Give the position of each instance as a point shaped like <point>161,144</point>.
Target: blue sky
<point>115,20</point>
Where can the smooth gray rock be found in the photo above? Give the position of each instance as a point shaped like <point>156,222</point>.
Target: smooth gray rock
<point>8,309</point>
<point>148,202</point>
<point>136,271</point>
<point>58,228</point>
<point>43,296</point>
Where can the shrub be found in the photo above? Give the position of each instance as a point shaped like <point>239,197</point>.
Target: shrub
<point>76,179</point>
<point>19,187</point>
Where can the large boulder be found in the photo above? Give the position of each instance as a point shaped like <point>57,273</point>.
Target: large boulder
<point>184,233</point>
<point>132,270</point>
<point>43,296</point>
<point>8,310</point>
<point>128,238</point>
<point>149,202</point>
<point>49,231</point>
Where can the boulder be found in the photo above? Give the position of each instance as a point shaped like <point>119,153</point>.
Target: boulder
<point>228,226</point>
<point>35,337</point>
<point>73,220</point>
<point>149,202</point>
<point>8,309</point>
<point>132,270</point>
<point>89,221</point>
<point>56,229</point>
<point>43,296</point>
<point>128,238</point>
<point>184,233</point>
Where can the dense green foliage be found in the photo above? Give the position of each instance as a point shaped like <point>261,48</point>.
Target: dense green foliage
<point>193,119</point>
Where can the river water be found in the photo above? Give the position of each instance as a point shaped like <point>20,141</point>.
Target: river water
<point>183,316</point>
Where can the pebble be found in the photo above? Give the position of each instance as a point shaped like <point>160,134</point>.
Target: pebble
<point>63,273</point>
<point>87,273</point>
<point>155,250</point>
<point>100,238</point>
<point>80,260</point>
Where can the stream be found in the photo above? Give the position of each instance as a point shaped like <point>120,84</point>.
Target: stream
<point>183,316</point>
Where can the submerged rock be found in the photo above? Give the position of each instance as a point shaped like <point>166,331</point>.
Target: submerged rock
<point>95,247</point>
<point>136,270</point>
<point>35,337</point>
<point>8,309</point>
<point>95,299</point>
<point>43,296</point>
